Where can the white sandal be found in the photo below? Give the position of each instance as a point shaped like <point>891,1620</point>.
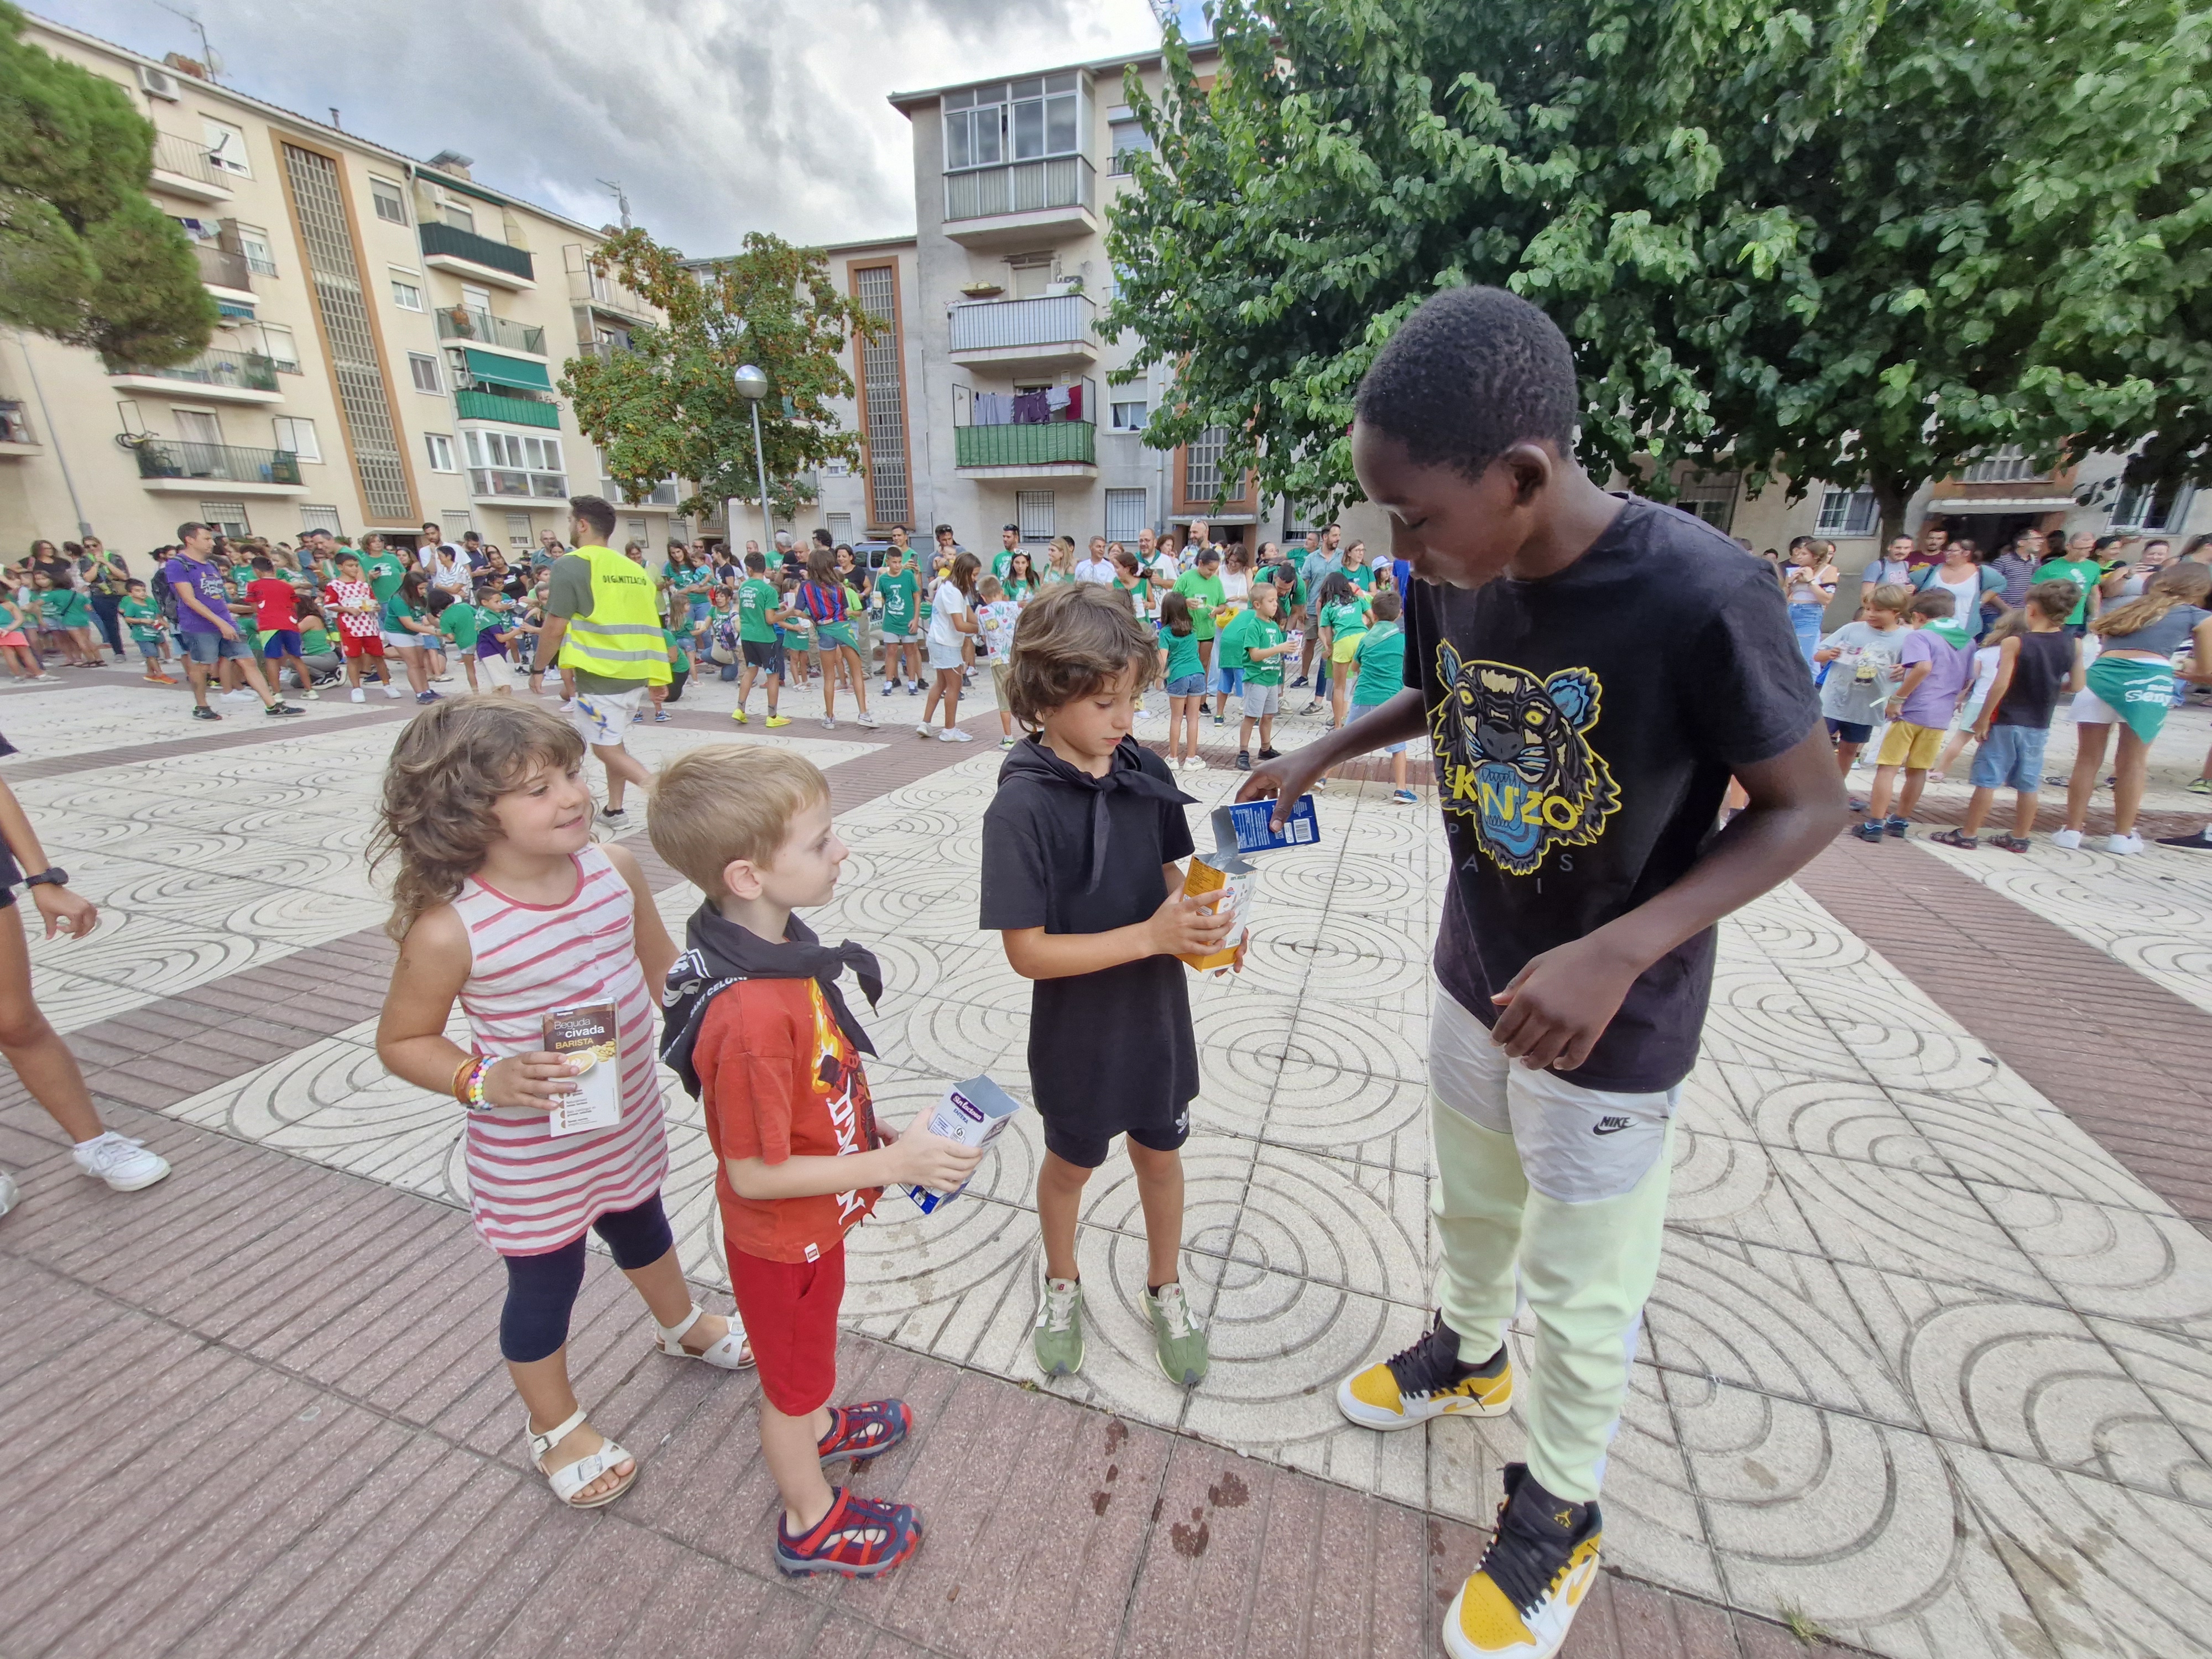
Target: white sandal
<point>730,1354</point>
<point>567,1481</point>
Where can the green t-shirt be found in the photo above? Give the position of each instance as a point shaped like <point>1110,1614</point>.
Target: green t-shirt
<point>1260,633</point>
<point>1289,583</point>
<point>2088,571</point>
<point>756,597</point>
<point>145,619</point>
<point>459,622</point>
<point>1234,640</point>
<point>313,641</point>
<point>1360,576</point>
<point>385,571</point>
<point>395,613</point>
<point>679,650</point>
<point>1205,597</point>
<point>1182,654</point>
<point>1003,557</point>
<point>64,607</point>
<point>899,597</point>
<point>1346,618</point>
<point>688,580</point>
<point>1381,660</point>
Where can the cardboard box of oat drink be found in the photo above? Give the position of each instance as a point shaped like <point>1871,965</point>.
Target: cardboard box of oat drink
<point>974,1113</point>
<point>1243,827</point>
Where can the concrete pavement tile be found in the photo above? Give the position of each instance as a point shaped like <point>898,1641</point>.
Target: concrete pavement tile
<point>2122,1263</point>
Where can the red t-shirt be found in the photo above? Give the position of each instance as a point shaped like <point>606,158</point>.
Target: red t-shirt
<point>273,599</point>
<point>779,1080</point>
<point>356,607</point>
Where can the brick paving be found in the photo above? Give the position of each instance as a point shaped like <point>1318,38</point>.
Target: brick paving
<point>2124,1057</point>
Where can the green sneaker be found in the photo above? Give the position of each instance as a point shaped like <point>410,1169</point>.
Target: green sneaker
<point>1176,1340</point>
<point>1058,1338</point>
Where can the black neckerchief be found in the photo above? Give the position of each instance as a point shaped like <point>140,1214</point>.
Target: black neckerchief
<point>1124,772</point>
<point>718,953</point>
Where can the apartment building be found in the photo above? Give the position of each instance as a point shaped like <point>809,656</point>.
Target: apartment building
<point>391,330</point>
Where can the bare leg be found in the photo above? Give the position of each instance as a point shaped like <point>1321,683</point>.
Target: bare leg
<point>1059,1205</point>
<point>1915,781</point>
<point>856,675</point>
<point>622,768</point>
<point>1159,1188</point>
<point>661,1284</point>
<point>2024,805</point>
<point>2132,769</point>
<point>793,1447</point>
<point>32,1046</point>
<point>2088,761</point>
<point>1885,780</point>
<point>543,1386</point>
<point>1977,809</point>
<point>1846,754</point>
<point>1953,748</point>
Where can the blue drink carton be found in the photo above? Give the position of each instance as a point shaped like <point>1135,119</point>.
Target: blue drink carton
<point>1247,826</point>
<point>974,1113</point>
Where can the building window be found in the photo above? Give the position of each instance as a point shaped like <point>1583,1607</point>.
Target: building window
<point>391,200</point>
<point>1131,405</point>
<point>518,530</point>
<point>1201,462</point>
<point>840,525</point>
<point>1712,496</point>
<point>297,434</point>
<point>1848,512</point>
<point>1125,136</point>
<point>882,395</point>
<point>457,524</point>
<point>1021,121</point>
<point>225,146</point>
<point>836,467</point>
<point>228,517</point>
<point>318,518</point>
<point>637,533</point>
<point>1125,516</point>
<point>2160,506</point>
<point>253,244</point>
<point>514,450</point>
<point>424,368</point>
<point>2009,464</point>
<point>441,452</point>
<point>1033,513</point>
<point>406,295</point>
<point>283,351</point>
<point>461,216</point>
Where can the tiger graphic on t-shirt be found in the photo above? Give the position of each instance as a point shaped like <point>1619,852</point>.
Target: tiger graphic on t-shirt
<point>1512,759</point>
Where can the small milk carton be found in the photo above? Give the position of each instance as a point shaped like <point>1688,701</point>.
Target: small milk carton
<point>1250,826</point>
<point>974,1113</point>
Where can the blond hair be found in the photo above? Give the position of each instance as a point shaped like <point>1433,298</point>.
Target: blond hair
<point>2177,584</point>
<point>444,777</point>
<point>713,805</point>
<point>1892,597</point>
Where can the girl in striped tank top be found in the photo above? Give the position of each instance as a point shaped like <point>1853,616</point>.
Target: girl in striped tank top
<point>501,902</point>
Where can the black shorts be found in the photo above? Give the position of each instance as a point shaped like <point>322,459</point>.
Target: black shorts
<point>761,654</point>
<point>1849,732</point>
<point>1071,1144</point>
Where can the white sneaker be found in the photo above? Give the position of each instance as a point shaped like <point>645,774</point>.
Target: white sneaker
<point>125,1164</point>
<point>2124,845</point>
<point>10,1194</point>
<point>890,686</point>
<point>358,696</point>
<point>390,690</point>
<point>866,721</point>
<point>924,730</point>
<point>2069,839</point>
<point>829,724</point>
<point>1192,764</point>
<point>315,695</point>
<point>243,694</point>
<point>954,734</point>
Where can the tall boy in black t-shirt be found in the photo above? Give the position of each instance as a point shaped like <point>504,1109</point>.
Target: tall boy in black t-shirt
<point>1080,878</point>
<point>1590,671</point>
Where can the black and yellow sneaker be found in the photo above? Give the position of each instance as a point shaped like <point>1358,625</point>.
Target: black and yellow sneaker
<point>1427,1381</point>
<point>1540,1564</point>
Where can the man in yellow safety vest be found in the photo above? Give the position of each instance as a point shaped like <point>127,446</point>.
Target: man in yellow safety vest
<point>601,623</point>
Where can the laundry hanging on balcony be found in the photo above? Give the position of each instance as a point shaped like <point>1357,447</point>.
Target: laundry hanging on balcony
<point>1058,403</point>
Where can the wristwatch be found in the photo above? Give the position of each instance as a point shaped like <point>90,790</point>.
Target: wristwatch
<point>53,873</point>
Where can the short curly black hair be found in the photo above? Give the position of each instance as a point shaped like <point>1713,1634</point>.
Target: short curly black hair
<point>1471,373</point>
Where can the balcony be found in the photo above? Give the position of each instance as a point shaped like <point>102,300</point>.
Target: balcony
<point>498,333</point>
<point>230,376</point>
<point>475,404</point>
<point>181,167</point>
<point>15,437</point>
<point>665,493</point>
<point>1052,450</point>
<point>2004,482</point>
<point>501,483</point>
<point>224,271</point>
<point>166,464</point>
<point>1016,204</point>
<point>464,253</point>
<point>1049,334</point>
<point>588,287</point>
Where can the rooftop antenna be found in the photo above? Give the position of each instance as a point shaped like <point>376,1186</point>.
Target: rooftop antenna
<point>207,53</point>
<point>614,187</point>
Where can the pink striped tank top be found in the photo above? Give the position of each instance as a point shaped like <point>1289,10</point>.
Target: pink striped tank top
<point>529,1192</point>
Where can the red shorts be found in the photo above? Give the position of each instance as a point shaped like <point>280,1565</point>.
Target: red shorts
<point>790,1313</point>
<point>363,645</point>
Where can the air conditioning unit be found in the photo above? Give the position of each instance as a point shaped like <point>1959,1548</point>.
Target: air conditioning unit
<point>157,82</point>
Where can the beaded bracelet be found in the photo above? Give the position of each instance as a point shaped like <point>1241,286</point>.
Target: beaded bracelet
<point>478,1079</point>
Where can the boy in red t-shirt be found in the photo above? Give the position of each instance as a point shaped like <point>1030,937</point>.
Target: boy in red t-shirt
<point>759,1032</point>
<point>273,599</point>
<point>352,599</point>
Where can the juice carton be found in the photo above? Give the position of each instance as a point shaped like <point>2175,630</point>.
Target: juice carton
<point>1249,826</point>
<point>588,1034</point>
<point>1221,872</point>
<point>974,1113</point>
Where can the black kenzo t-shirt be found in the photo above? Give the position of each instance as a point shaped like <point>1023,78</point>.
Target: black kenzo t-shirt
<point>1583,728</point>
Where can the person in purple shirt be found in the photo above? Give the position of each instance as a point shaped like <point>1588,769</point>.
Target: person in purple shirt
<point>204,620</point>
<point>1936,663</point>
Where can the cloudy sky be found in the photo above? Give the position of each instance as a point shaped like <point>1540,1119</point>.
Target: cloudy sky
<point>717,116</point>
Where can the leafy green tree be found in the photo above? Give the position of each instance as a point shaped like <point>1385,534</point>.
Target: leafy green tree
<point>85,258</point>
<point>1849,240</point>
<point>668,406</point>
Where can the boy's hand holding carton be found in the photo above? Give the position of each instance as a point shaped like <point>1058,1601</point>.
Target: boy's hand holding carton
<point>929,1160</point>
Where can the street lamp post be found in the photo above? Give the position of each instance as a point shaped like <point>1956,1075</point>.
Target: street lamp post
<point>752,386</point>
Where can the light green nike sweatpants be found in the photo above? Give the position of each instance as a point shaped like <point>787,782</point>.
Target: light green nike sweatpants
<point>1557,1193</point>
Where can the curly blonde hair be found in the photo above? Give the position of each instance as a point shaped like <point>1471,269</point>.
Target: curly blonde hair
<point>450,765</point>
